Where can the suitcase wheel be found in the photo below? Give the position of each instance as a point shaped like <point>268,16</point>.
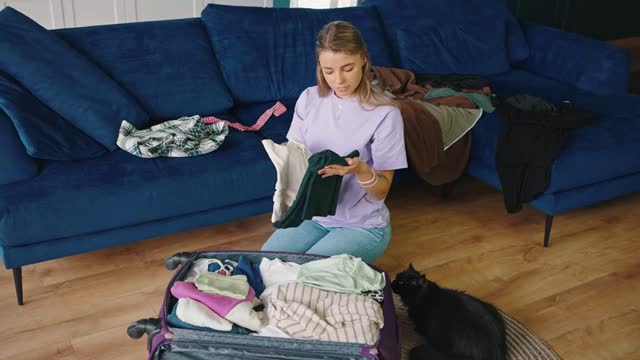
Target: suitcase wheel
<point>175,260</point>
<point>144,326</point>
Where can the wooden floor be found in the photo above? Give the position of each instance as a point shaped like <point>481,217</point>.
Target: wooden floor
<point>581,295</point>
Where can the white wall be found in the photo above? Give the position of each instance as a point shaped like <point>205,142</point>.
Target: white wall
<point>55,14</point>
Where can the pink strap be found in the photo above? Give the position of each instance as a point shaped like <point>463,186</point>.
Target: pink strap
<point>277,110</point>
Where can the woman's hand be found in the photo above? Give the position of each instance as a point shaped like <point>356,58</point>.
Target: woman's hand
<point>377,184</point>
<point>356,167</point>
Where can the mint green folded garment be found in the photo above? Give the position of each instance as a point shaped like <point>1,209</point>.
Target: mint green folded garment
<point>455,122</point>
<point>235,286</point>
<point>341,273</point>
<point>481,100</point>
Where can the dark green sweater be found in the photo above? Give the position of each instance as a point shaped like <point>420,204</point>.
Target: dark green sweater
<point>317,196</point>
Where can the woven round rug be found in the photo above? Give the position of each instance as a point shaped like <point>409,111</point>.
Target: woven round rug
<point>522,344</point>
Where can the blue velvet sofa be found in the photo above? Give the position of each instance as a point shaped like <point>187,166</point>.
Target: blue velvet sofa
<point>66,189</point>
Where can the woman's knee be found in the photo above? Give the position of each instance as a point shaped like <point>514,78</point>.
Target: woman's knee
<point>298,239</point>
<point>378,247</point>
<point>376,250</point>
<point>368,244</point>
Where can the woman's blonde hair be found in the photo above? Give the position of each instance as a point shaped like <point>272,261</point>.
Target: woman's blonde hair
<point>341,36</point>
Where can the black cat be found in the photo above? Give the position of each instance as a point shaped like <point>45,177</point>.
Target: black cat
<point>455,325</point>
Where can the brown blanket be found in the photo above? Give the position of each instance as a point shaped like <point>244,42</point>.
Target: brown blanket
<point>422,133</point>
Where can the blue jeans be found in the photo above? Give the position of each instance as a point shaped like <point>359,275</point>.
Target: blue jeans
<point>313,238</point>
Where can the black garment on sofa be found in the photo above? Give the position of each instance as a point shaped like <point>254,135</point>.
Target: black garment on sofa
<point>456,82</point>
<point>533,136</point>
<point>317,196</point>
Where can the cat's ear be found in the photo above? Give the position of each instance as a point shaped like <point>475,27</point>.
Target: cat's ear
<point>411,268</point>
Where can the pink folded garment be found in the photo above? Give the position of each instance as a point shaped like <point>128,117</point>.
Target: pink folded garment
<point>238,311</point>
<point>220,304</point>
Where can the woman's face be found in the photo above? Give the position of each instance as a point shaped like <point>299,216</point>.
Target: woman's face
<point>343,72</point>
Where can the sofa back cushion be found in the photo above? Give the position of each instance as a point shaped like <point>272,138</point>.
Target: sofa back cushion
<point>167,65</point>
<point>452,36</point>
<point>588,64</point>
<point>269,53</point>
<point>44,133</point>
<point>65,80</point>
<point>16,164</point>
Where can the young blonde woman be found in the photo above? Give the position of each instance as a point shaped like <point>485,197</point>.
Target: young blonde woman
<point>345,113</point>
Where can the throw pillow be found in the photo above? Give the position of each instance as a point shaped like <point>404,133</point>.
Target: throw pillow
<point>44,133</point>
<point>16,164</point>
<point>64,80</point>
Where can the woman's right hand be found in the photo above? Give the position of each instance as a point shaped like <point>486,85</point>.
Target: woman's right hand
<point>356,166</point>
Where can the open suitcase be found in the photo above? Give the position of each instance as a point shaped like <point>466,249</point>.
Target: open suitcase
<point>171,343</point>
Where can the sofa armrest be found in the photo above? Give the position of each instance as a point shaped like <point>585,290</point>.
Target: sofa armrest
<point>588,64</point>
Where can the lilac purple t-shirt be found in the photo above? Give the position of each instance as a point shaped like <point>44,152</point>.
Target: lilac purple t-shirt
<point>344,125</point>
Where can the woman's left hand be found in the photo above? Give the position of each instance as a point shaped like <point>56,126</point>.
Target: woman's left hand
<point>356,166</point>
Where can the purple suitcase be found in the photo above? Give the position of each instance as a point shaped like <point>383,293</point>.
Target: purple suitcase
<point>173,343</point>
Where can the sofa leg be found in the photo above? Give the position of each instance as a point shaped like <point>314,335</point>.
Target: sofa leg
<point>17,280</point>
<point>547,230</point>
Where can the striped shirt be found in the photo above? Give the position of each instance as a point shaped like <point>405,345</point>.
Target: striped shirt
<point>306,312</point>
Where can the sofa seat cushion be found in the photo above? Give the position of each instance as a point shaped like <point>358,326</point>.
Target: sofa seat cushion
<point>276,128</point>
<point>167,65</point>
<point>119,189</point>
<point>604,149</point>
<point>269,53</point>
<point>64,80</point>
